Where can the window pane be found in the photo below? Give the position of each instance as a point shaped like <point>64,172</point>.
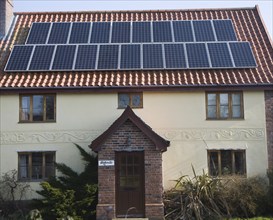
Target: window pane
<point>136,100</point>
<point>213,163</point>
<point>224,99</point>
<point>23,166</point>
<point>224,111</point>
<point>226,162</point>
<point>38,107</point>
<point>123,100</point>
<point>236,99</point>
<point>211,111</point>
<point>236,111</point>
<point>49,162</point>
<point>239,163</point>
<point>50,108</point>
<point>25,108</point>
<point>211,99</point>
<point>37,164</point>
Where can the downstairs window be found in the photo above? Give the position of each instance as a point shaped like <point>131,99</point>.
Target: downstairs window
<point>36,165</point>
<point>226,162</point>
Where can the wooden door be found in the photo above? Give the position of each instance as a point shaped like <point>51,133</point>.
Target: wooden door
<point>130,184</point>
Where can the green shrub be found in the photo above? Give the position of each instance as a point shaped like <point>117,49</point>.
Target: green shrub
<point>70,195</point>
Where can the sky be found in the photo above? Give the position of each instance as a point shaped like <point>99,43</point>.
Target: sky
<point>266,6</point>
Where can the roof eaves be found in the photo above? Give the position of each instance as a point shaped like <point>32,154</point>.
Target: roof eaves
<point>136,11</point>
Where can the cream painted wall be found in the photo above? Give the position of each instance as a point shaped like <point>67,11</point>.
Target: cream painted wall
<point>177,116</point>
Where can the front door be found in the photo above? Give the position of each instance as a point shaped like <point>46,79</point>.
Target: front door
<point>130,184</point>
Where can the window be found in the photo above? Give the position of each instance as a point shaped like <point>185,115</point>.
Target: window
<point>224,105</point>
<point>226,162</point>
<point>36,165</point>
<point>134,100</point>
<point>37,108</point>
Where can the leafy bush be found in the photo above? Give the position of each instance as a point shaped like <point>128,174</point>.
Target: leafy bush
<point>244,195</point>
<point>206,197</point>
<point>195,198</point>
<point>71,194</point>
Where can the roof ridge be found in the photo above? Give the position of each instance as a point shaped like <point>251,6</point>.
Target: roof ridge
<point>137,11</point>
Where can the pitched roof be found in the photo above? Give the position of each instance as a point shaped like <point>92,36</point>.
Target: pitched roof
<point>128,114</point>
<point>247,22</point>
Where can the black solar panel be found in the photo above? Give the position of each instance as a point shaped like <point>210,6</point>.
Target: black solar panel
<point>19,58</point>
<point>108,57</point>
<point>86,57</point>
<point>42,57</point>
<point>79,33</point>
<point>152,56</point>
<point>59,33</point>
<point>121,32</point>
<point>224,30</point>
<point>162,31</point>
<point>38,33</point>
<point>130,56</point>
<point>175,56</point>
<point>203,30</point>
<point>182,31</point>
<point>141,32</point>
<point>197,55</point>
<point>100,32</point>
<point>219,55</point>
<point>64,57</point>
<point>242,54</point>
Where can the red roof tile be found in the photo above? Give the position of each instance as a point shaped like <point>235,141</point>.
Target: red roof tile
<point>248,25</point>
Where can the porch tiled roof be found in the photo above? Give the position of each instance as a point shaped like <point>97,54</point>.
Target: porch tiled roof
<point>247,22</point>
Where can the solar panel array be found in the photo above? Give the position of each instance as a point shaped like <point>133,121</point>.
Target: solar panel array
<point>131,32</point>
<point>131,56</point>
<point>205,44</point>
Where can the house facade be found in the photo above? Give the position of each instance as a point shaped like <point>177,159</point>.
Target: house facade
<point>215,119</point>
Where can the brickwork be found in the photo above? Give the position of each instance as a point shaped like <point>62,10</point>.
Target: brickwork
<point>269,125</point>
<point>118,141</point>
<point>6,13</point>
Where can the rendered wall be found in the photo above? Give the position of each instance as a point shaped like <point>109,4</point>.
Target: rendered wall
<point>179,117</point>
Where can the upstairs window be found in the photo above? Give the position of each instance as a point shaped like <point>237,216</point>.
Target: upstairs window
<point>226,162</point>
<point>227,105</point>
<point>37,108</point>
<point>134,100</point>
<point>36,165</point>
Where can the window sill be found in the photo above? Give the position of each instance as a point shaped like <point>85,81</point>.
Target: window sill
<point>35,122</point>
<point>225,119</point>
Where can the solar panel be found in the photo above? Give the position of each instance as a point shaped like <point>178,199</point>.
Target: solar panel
<point>182,31</point>
<point>79,33</point>
<point>42,57</point>
<point>162,31</point>
<point>130,56</point>
<point>197,55</point>
<point>203,30</point>
<point>141,32</point>
<point>108,57</point>
<point>86,57</point>
<point>59,33</point>
<point>175,56</point>
<point>38,33</point>
<point>242,54</point>
<point>19,58</point>
<point>64,57</point>
<point>152,56</point>
<point>219,55</point>
<point>121,32</point>
<point>100,32</point>
<point>224,30</point>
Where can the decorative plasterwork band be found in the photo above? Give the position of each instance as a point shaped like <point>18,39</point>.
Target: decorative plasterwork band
<point>69,136</point>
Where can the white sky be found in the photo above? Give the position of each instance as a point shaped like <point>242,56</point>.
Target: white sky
<point>266,6</point>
